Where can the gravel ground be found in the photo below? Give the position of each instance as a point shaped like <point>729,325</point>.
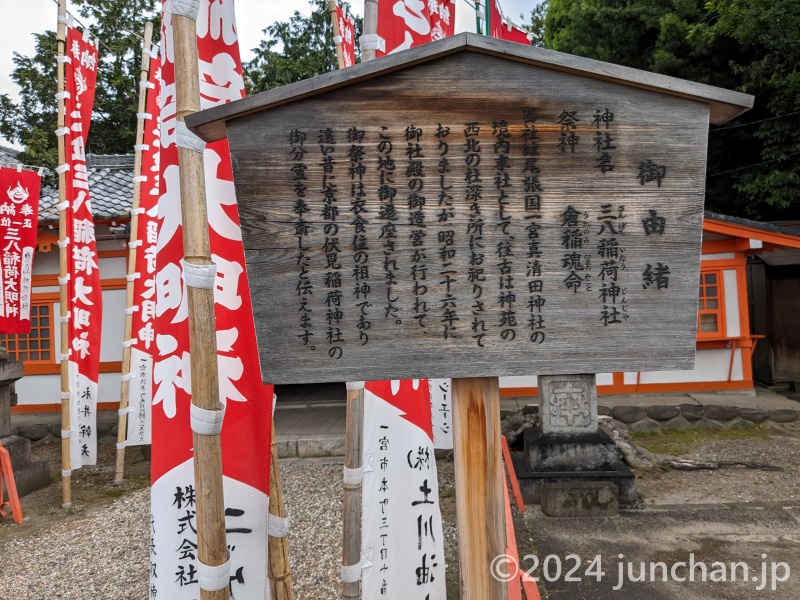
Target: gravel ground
<point>99,550</point>
<point>102,551</point>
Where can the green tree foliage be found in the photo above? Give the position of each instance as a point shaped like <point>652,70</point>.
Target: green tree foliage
<point>32,121</point>
<point>535,25</point>
<point>749,45</point>
<point>295,50</point>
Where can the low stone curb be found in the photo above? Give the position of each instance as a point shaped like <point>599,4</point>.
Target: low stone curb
<point>685,416</point>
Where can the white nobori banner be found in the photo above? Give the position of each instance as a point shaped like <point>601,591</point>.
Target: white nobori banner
<point>401,540</point>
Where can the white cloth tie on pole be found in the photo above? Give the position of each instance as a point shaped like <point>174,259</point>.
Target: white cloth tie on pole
<point>62,168</point>
<point>199,276</point>
<point>185,8</point>
<point>278,527</point>
<point>63,95</point>
<point>186,139</point>
<point>213,579</point>
<point>143,117</point>
<point>63,280</point>
<point>63,243</point>
<point>66,473</point>
<point>121,445</point>
<point>337,39</point>
<point>66,434</point>
<point>352,573</point>
<point>353,476</point>
<point>62,131</point>
<point>206,422</point>
<point>62,205</point>
<point>372,41</point>
<point>141,147</point>
<point>353,386</point>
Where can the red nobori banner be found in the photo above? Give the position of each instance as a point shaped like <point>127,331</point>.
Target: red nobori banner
<point>505,31</point>
<point>442,18</point>
<point>84,293</point>
<point>246,434</point>
<point>405,24</point>
<point>347,33</point>
<point>19,213</point>
<point>140,391</point>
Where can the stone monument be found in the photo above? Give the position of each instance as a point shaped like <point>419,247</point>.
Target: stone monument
<point>571,467</point>
<point>28,475</point>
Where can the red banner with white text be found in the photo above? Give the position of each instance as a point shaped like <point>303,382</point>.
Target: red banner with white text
<point>347,33</point>
<point>503,30</point>
<point>442,18</point>
<point>19,213</point>
<point>84,292</point>
<point>140,390</point>
<point>404,24</point>
<point>246,433</point>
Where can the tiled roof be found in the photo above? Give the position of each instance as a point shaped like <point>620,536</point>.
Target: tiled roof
<point>7,157</point>
<point>773,227</point>
<point>110,186</point>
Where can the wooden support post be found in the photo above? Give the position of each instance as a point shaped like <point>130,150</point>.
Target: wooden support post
<point>66,480</point>
<point>480,482</point>
<point>280,574</point>
<point>370,26</point>
<point>353,459</point>
<point>336,33</point>
<point>212,548</point>
<point>125,384</point>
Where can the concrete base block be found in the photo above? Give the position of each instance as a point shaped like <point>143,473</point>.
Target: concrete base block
<point>34,476</point>
<point>286,448</point>
<point>531,482</point>
<point>569,451</point>
<point>320,446</point>
<point>29,476</point>
<point>580,499</point>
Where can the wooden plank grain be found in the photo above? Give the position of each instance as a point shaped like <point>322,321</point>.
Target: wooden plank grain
<point>340,320</point>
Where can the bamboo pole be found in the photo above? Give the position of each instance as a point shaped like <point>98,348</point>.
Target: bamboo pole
<point>125,384</point>
<point>480,513</point>
<point>336,33</point>
<point>353,459</point>
<point>66,480</point>
<point>280,573</point>
<point>211,541</point>
<point>370,26</point>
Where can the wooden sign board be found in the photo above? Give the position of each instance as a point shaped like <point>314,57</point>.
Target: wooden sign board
<point>472,214</point>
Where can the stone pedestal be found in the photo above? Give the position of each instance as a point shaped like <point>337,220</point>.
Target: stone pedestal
<point>29,476</point>
<point>568,458</point>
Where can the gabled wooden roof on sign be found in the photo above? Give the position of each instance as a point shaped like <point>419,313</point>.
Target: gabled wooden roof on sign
<point>724,104</point>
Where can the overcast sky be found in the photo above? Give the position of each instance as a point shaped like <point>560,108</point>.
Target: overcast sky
<point>26,17</point>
